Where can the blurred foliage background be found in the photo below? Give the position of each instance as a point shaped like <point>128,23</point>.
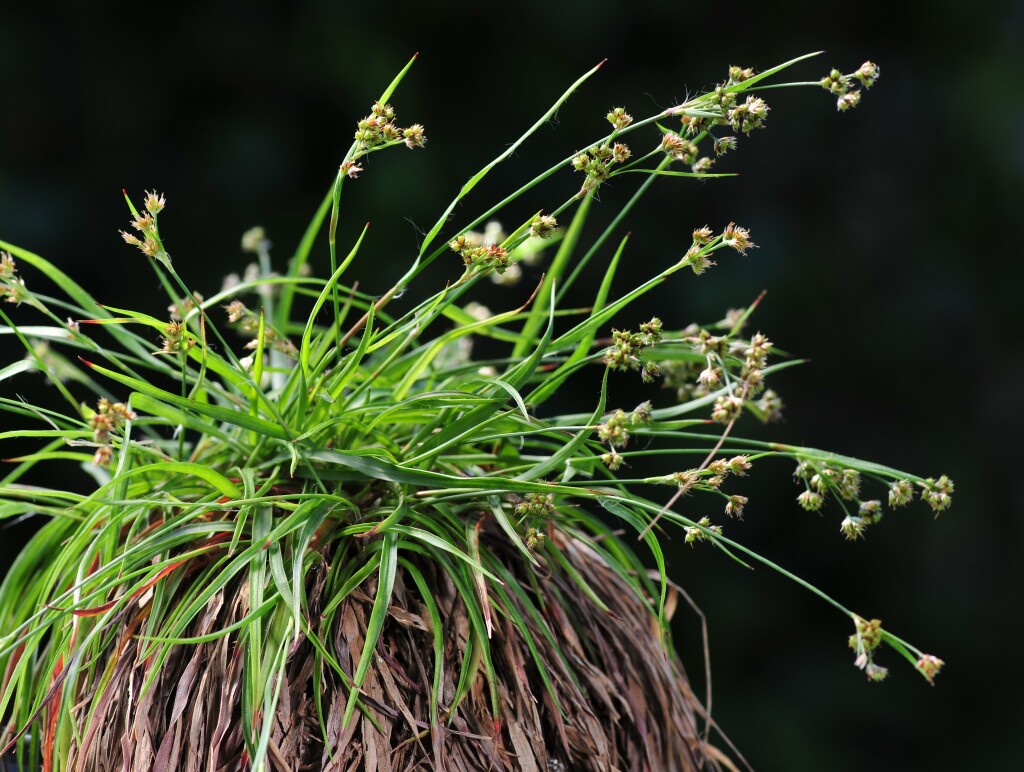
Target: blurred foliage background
<point>888,249</point>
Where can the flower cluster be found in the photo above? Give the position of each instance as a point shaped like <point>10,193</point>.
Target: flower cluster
<point>730,363</point>
<point>710,479</point>
<point>248,323</point>
<point>705,242</point>
<point>378,128</point>
<point>535,508</point>
<point>182,308</point>
<point>702,531</point>
<point>597,163</point>
<point>822,480</point>
<point>749,115</point>
<point>727,110</point>
<point>543,226</point>
<point>492,249</point>
<point>738,238</point>
<point>864,642</point>
<point>108,418</point>
<point>844,86</point>
<point>624,353</point>
<point>536,505</point>
<point>145,224</point>
<point>938,494</point>
<point>615,431</point>
<point>12,286</point>
<point>697,255</point>
<point>619,118</point>
<point>488,257</point>
<point>176,339</point>
<point>929,666</point>
<point>255,241</point>
<point>748,383</point>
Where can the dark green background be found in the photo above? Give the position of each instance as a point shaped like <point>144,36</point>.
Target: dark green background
<point>889,246</point>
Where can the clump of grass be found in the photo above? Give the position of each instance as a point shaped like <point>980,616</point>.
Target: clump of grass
<point>357,544</point>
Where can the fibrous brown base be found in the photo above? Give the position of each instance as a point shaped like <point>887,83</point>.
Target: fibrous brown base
<point>625,703</point>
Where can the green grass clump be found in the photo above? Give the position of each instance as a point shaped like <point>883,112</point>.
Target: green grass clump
<point>278,521</point>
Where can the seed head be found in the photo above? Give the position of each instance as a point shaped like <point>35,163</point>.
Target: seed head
<point>748,116</point>
<point>848,101</point>
<point>351,169</point>
<point>651,331</point>
<point>702,236</point>
<point>740,74</point>
<point>236,310</point>
<point>938,493</point>
<point>534,538</point>
<point>536,505</point>
<point>757,352</point>
<point>876,673</point>
<point>901,493</point>
<point>176,340</point>
<point>179,310</point>
<point>12,287</point>
<point>724,144</point>
<point>734,507</point>
<point>383,111</point>
<point>143,223</point>
<point>727,408</point>
<point>620,153</point>
<point>460,244</point>
<point>612,460</point>
<point>739,465</point>
<point>738,238</point>
<point>678,148</point>
<point>155,202</point>
<point>496,258</point>
<point>871,511</point>
<point>701,533</point>
<point>619,118</point>
<point>7,266</point>
<point>150,247</point>
<point>415,136</point>
<point>852,528</point>
<point>835,82</point>
<point>710,378</point>
<point>703,165</point>
<point>869,632</point>
<point>693,124</point>
<point>810,501</point>
<point>771,406</point>
<point>867,74</point>
<point>649,372</point>
<point>849,484</point>
<point>929,666</point>
<point>641,413</point>
<point>254,240</point>
<point>543,226</point>
<point>614,431</point>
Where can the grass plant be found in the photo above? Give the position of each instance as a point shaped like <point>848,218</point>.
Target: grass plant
<point>343,540</point>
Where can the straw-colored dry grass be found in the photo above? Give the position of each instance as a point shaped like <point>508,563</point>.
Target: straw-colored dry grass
<point>625,703</point>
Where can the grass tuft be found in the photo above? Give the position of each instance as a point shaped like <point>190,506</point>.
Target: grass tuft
<point>347,539</point>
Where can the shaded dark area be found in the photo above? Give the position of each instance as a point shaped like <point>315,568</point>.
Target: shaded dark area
<point>888,249</point>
